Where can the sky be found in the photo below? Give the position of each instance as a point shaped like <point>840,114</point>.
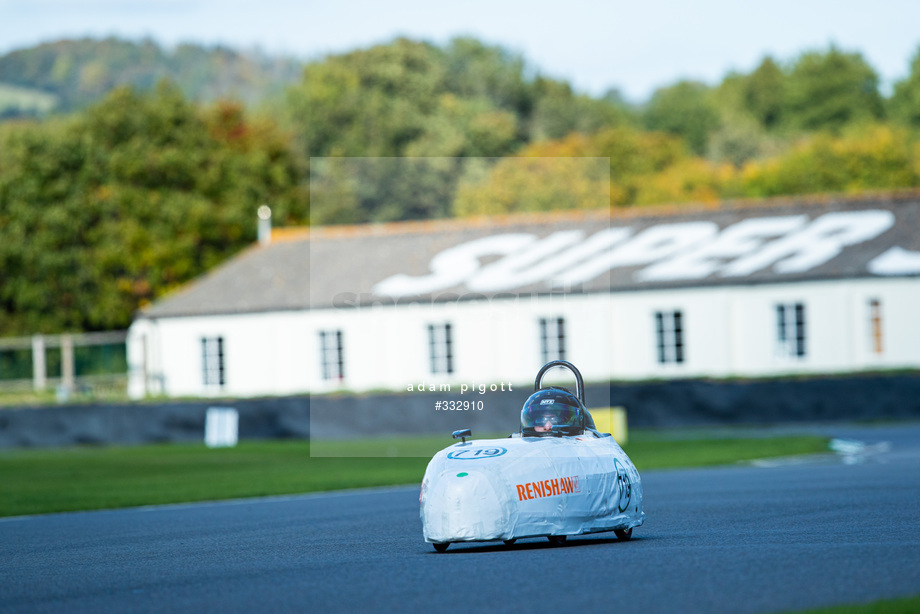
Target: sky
<point>634,47</point>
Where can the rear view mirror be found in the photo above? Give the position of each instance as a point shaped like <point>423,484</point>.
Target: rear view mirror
<point>463,434</point>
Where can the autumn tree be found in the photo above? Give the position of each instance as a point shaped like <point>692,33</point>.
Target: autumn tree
<point>107,210</point>
<point>871,157</point>
<point>577,172</point>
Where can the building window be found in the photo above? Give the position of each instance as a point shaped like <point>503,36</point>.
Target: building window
<point>552,339</point>
<point>875,326</point>
<point>670,334</point>
<point>790,330</point>
<point>212,361</point>
<point>331,354</point>
<point>440,344</point>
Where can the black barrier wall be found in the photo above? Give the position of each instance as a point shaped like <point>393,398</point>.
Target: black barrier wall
<point>648,404</point>
<point>705,403</point>
<point>138,423</point>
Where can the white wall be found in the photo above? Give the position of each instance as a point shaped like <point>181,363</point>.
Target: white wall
<point>728,331</point>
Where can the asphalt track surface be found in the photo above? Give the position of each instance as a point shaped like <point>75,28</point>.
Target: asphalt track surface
<point>780,537</point>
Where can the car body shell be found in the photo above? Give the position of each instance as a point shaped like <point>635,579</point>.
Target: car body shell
<point>506,489</point>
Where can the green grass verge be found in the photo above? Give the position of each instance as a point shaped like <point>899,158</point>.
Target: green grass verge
<point>910,605</point>
<point>651,453</point>
<point>87,478</point>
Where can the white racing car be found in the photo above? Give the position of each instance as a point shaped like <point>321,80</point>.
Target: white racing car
<point>556,477</point>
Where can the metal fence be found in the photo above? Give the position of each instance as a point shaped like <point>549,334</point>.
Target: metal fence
<point>89,363</point>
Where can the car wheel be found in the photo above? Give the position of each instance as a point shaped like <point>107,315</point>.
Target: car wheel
<point>623,535</point>
<point>440,546</point>
<point>556,540</point>
<point>509,542</point>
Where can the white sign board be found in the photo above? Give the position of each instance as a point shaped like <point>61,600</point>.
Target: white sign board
<point>221,427</point>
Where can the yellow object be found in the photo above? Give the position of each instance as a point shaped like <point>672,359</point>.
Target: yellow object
<point>611,420</point>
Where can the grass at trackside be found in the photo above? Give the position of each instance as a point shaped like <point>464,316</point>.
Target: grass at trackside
<point>650,453</point>
<point>86,478</point>
<point>646,450</point>
<point>910,605</point>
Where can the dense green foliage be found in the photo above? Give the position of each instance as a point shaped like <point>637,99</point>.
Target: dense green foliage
<point>103,211</point>
<point>905,102</point>
<point>817,124</point>
<point>830,90</point>
<point>108,208</point>
<point>79,72</point>
<point>413,99</point>
<point>685,110</point>
<point>84,478</point>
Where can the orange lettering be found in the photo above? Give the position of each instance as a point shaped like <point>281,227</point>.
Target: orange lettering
<point>548,488</point>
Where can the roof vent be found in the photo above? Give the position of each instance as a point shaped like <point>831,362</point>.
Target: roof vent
<point>265,225</point>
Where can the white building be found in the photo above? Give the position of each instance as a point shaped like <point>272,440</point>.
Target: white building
<point>742,290</point>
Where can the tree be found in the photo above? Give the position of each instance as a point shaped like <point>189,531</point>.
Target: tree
<point>359,190</point>
<point>764,93</point>
<point>827,91</point>
<point>535,184</point>
<point>372,102</point>
<point>905,102</point>
<point>559,111</point>
<point>692,180</point>
<point>102,212</point>
<point>870,157</point>
<point>685,110</point>
<point>577,172</point>
<point>413,99</point>
<point>475,71</point>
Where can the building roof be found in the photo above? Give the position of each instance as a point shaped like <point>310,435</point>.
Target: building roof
<point>587,251</point>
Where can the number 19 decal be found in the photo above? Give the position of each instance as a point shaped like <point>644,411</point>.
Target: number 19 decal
<point>474,453</point>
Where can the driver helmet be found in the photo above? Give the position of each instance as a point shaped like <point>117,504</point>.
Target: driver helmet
<point>551,407</point>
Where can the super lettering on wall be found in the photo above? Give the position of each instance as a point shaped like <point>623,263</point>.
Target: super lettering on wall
<point>548,488</point>
<point>667,252</point>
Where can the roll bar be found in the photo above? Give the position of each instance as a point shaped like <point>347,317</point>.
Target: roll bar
<point>579,382</point>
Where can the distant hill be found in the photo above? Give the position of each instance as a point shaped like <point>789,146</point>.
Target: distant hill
<point>69,74</point>
<point>21,101</point>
